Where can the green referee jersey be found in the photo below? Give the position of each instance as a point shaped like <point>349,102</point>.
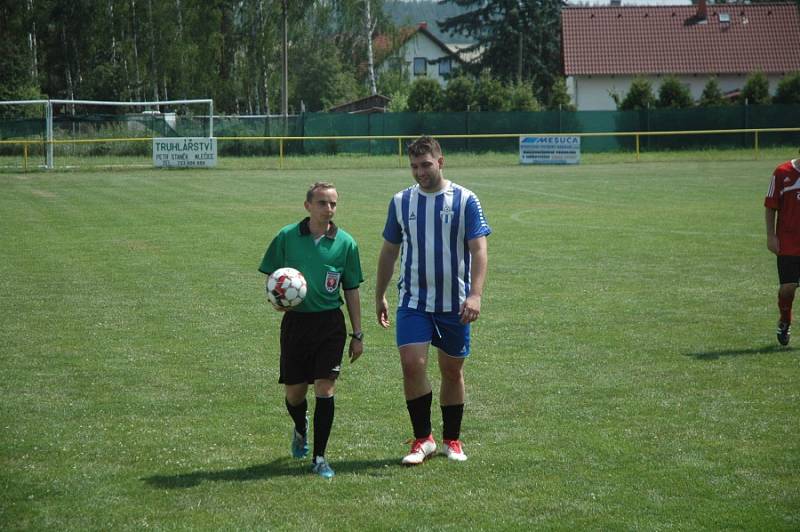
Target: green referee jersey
<point>331,263</point>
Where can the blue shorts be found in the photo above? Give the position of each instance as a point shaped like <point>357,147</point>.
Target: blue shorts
<point>442,329</point>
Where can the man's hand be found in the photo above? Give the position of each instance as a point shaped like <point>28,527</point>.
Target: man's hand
<point>382,311</point>
<point>356,349</point>
<point>470,309</point>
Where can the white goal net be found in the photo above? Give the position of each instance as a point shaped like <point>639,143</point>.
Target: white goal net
<point>62,133</point>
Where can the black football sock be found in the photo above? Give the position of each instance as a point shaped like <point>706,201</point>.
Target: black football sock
<point>451,421</point>
<point>323,422</point>
<point>420,411</point>
<point>298,413</point>
<point>785,307</point>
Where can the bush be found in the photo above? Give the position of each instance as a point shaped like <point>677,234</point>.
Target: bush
<point>459,95</point>
<point>674,94</point>
<point>756,89</point>
<point>425,96</point>
<point>522,99</point>
<point>639,96</point>
<point>491,94</point>
<point>788,91</point>
<point>712,95</point>
<point>560,98</point>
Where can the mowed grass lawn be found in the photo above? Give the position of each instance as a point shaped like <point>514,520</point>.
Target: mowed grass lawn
<point>625,373</point>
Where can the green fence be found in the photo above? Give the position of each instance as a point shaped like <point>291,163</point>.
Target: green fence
<point>236,132</point>
<point>696,119</point>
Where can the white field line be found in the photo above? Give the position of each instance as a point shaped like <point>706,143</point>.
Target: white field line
<point>519,216</point>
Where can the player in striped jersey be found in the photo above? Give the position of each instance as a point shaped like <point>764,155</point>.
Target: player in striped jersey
<point>438,230</point>
<point>782,214</point>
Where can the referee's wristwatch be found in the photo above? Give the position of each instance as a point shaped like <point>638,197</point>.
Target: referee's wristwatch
<point>357,336</point>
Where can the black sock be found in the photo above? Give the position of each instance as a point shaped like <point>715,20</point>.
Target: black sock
<point>451,421</point>
<point>298,413</point>
<point>420,411</point>
<point>323,421</point>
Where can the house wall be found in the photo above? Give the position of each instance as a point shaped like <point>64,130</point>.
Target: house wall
<point>420,46</point>
<point>592,93</point>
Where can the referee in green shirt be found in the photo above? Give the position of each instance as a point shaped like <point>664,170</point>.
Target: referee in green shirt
<point>313,334</point>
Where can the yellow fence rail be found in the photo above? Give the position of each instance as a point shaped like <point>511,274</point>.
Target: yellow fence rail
<point>400,138</point>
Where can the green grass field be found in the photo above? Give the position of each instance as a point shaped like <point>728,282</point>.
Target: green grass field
<point>625,373</point>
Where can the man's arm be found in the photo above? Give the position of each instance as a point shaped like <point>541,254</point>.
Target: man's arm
<point>471,308</point>
<point>386,259</point>
<point>772,236</point>
<point>352,299</point>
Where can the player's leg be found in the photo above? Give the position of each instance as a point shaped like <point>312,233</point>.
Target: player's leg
<point>297,406</point>
<point>452,342</point>
<point>419,396</point>
<point>786,294</point>
<point>293,377</point>
<point>788,275</point>
<point>324,409</point>
<point>414,331</point>
<point>328,361</point>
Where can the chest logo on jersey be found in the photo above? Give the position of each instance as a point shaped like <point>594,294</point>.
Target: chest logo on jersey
<point>332,281</point>
<point>446,214</point>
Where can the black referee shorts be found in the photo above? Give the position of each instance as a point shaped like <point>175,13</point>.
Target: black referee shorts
<point>312,345</point>
<point>788,269</point>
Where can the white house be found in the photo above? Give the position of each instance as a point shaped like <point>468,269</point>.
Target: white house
<point>605,47</point>
<point>419,53</point>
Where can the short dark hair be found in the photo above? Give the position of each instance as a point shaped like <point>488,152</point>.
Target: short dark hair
<point>319,185</point>
<point>423,146</point>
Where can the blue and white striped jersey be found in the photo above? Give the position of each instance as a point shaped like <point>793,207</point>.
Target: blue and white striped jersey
<point>434,229</point>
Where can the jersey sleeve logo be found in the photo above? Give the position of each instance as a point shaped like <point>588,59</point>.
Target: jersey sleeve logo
<point>332,281</point>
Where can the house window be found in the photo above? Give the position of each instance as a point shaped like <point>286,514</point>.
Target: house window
<point>445,66</point>
<point>420,66</point>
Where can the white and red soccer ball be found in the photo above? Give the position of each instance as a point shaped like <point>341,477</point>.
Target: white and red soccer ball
<point>286,288</point>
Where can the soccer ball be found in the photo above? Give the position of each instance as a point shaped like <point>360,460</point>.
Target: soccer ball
<point>286,288</point>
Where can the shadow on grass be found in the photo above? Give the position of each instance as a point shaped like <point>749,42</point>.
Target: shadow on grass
<point>763,350</point>
<point>281,467</point>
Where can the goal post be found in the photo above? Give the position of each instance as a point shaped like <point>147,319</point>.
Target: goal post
<point>23,128</point>
<point>82,128</point>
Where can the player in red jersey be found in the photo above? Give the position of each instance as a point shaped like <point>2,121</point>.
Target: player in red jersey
<point>782,214</point>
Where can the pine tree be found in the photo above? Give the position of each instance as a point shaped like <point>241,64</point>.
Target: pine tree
<point>674,94</point>
<point>639,96</point>
<point>712,95</point>
<point>520,39</point>
<point>788,91</point>
<point>755,90</point>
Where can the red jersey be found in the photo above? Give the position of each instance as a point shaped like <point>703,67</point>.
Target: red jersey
<point>784,197</point>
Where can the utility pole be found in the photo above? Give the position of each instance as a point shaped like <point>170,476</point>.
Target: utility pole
<point>285,85</point>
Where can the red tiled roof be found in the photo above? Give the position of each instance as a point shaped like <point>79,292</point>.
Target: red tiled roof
<point>670,40</point>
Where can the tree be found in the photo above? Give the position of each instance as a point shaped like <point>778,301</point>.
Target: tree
<point>712,95</point>
<point>674,94</point>
<point>491,94</point>
<point>755,90</point>
<point>560,98</point>
<point>639,96</point>
<point>520,39</point>
<point>228,50</point>
<point>788,91</point>
<point>459,95</point>
<point>521,98</point>
<point>425,96</point>
<point>17,64</point>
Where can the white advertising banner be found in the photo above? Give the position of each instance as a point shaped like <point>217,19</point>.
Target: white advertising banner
<point>554,149</point>
<point>185,152</point>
